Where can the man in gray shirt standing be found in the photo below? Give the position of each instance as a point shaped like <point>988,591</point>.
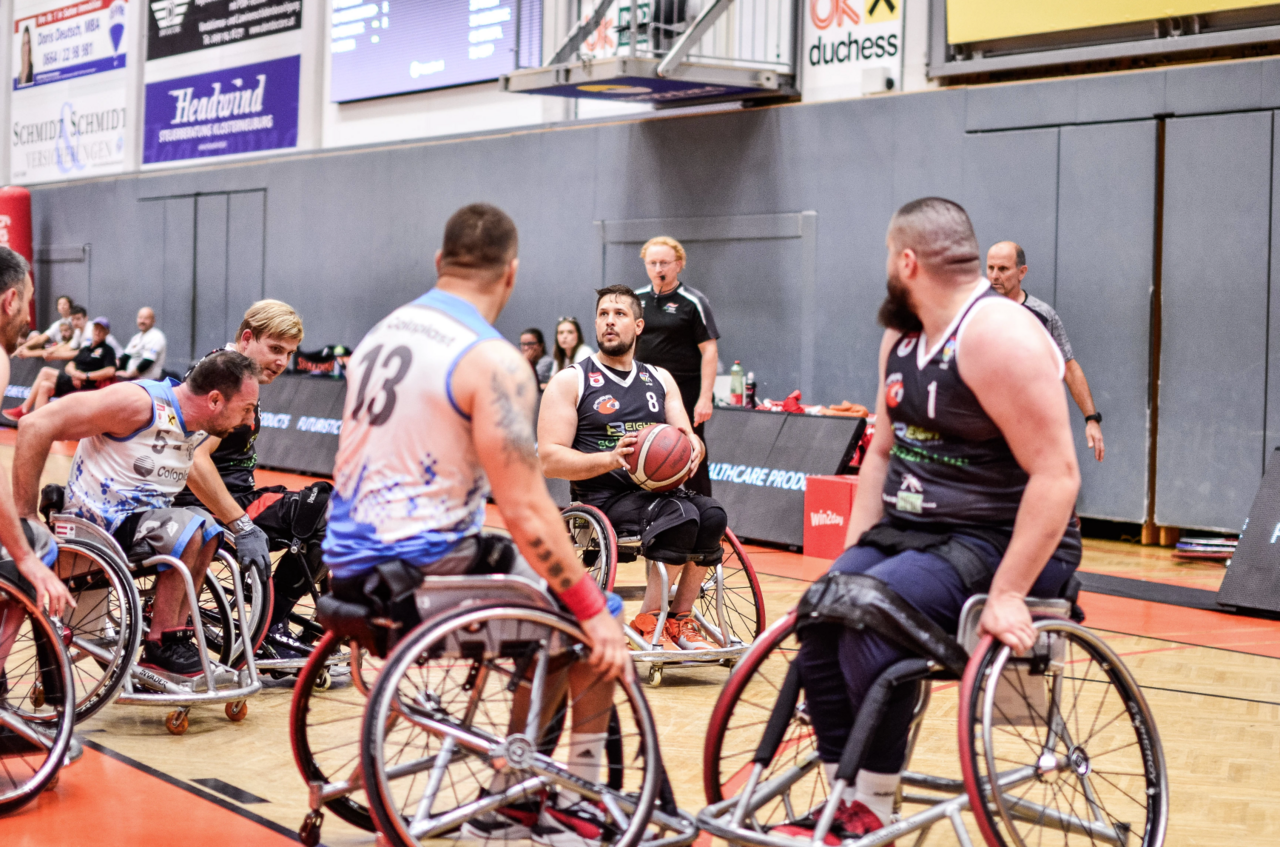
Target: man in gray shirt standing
<point>1006,266</point>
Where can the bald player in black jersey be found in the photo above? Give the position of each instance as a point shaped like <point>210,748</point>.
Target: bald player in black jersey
<point>586,427</point>
<point>967,488</point>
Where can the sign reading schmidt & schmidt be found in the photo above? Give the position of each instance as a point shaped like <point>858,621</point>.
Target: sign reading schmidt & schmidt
<point>238,110</point>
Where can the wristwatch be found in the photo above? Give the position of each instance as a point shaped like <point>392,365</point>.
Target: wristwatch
<point>1096,416</point>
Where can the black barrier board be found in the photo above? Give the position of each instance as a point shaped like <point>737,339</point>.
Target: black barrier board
<point>759,461</point>
<point>1253,578</point>
<point>22,375</point>
<point>174,28</point>
<point>301,420</point>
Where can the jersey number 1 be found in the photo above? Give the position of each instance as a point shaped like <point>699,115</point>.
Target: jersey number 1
<point>933,397</point>
<point>403,357</point>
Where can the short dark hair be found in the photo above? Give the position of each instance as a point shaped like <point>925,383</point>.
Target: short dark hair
<point>70,300</point>
<point>78,310</point>
<point>13,269</point>
<point>536,333</point>
<point>1020,255</point>
<point>940,233</point>
<point>479,237</point>
<point>625,292</point>
<point>223,371</point>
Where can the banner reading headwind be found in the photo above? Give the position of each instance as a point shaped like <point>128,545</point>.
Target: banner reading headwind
<point>181,26</point>
<point>237,110</point>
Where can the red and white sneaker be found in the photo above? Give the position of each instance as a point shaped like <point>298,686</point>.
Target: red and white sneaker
<point>687,635</point>
<point>582,824</point>
<point>510,823</point>
<point>646,623</point>
<point>852,820</point>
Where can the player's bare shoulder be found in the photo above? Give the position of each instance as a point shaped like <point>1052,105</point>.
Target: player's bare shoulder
<point>1004,337</point>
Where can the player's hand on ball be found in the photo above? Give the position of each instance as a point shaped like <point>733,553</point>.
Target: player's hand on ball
<point>699,450</point>
<point>625,447</point>
<point>1007,619</point>
<point>610,657</point>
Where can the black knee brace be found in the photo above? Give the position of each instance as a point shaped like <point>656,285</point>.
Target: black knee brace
<point>712,522</point>
<point>669,530</point>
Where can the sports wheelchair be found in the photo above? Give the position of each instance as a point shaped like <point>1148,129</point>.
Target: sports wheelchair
<point>104,631</point>
<point>1057,746</point>
<point>36,688</point>
<point>468,716</point>
<point>729,607</point>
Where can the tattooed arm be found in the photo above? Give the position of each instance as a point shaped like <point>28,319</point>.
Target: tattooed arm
<point>494,385</point>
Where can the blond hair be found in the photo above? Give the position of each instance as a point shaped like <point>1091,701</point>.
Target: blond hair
<point>664,241</point>
<point>272,319</point>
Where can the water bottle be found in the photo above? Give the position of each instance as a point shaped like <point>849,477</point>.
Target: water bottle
<point>735,384</point>
<point>749,397</point>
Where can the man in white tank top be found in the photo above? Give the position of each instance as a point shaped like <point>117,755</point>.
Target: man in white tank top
<point>137,442</point>
<point>440,408</point>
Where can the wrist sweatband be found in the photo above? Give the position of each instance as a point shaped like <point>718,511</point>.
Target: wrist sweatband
<point>584,598</point>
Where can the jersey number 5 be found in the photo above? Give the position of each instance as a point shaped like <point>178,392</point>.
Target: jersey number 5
<point>384,399</point>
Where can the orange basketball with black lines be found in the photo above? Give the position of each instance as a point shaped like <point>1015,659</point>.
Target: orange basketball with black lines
<point>660,461</point>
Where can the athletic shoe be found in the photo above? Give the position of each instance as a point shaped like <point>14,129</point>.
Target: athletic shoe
<point>852,820</point>
<point>13,414</point>
<point>506,824</point>
<point>283,645</point>
<point>174,653</point>
<point>685,632</point>
<point>581,825</point>
<point>646,623</point>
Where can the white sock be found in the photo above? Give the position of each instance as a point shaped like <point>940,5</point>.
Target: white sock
<point>876,791</point>
<point>586,755</point>
<point>830,769</point>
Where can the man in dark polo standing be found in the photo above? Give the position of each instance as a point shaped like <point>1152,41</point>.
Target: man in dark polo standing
<point>679,335</point>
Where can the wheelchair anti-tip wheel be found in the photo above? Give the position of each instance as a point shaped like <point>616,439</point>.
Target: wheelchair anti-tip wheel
<point>1069,740</point>
<point>324,728</point>
<point>594,542</point>
<point>448,735</point>
<point>105,625</point>
<point>36,688</point>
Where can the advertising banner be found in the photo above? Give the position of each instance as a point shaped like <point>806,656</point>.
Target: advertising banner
<point>181,26</point>
<point>984,20</point>
<point>236,110</point>
<point>58,134</point>
<point>301,421</point>
<point>851,48</point>
<point>69,41</point>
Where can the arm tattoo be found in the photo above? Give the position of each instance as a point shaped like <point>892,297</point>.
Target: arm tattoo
<point>556,570</point>
<point>514,421</point>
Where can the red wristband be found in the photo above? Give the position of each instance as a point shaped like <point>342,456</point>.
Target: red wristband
<point>584,598</point>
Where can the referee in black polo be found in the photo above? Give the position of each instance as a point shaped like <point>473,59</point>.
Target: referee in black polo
<point>679,335</point>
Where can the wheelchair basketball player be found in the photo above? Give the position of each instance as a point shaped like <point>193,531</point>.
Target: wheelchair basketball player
<point>439,411</point>
<point>582,424</point>
<point>967,488</point>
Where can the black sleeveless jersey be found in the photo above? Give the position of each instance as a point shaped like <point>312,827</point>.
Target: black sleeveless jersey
<point>235,458</point>
<point>613,404</point>
<point>949,466</point>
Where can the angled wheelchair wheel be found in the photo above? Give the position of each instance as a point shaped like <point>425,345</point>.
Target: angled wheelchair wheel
<point>1059,746</point>
<point>449,738</point>
<point>37,699</point>
<point>302,623</point>
<point>105,626</point>
<point>730,607</point>
<point>741,730</point>
<point>324,728</point>
<point>594,541</point>
<point>257,602</point>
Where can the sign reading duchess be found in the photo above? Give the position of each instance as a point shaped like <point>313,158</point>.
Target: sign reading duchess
<point>238,110</point>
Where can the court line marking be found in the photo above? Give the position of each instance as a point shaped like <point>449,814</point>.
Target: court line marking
<point>227,805</point>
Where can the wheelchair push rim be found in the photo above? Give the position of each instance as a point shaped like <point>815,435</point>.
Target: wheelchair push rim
<point>1070,739</point>
<point>594,542</point>
<point>442,710</point>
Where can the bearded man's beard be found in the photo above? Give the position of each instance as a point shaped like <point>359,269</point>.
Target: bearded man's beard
<point>896,311</point>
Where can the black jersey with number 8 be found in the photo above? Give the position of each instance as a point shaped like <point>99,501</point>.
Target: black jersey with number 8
<point>611,405</point>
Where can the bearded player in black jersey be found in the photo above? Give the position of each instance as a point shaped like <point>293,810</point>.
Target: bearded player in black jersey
<point>586,427</point>
<point>967,488</point>
<point>222,480</point>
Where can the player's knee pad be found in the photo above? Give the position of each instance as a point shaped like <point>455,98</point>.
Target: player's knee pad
<point>670,530</point>
<point>712,522</point>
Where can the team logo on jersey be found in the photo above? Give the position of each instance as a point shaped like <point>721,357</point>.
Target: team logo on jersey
<point>893,390</point>
<point>595,379</point>
<point>907,342</point>
<point>948,351</point>
<point>670,308</point>
<point>606,405</point>
<point>173,420</point>
<point>617,429</point>
<point>644,377</point>
<point>910,495</point>
<point>143,466</point>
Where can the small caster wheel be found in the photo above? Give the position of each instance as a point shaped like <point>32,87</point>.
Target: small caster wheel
<point>655,675</point>
<point>323,681</point>
<point>237,711</point>
<point>177,722</point>
<point>309,832</point>
<point>37,696</point>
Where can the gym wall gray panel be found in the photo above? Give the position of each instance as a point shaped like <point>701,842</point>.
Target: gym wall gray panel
<point>1106,229</point>
<point>1273,325</point>
<point>1214,338</point>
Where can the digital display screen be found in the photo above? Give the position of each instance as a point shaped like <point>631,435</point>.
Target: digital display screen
<point>384,47</point>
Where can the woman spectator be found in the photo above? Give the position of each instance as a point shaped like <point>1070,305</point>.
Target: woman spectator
<point>534,348</point>
<point>569,346</point>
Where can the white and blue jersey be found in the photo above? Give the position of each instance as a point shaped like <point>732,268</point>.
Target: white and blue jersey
<point>408,483</point>
<point>111,478</point>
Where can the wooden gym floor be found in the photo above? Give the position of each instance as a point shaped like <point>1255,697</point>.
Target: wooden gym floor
<point>1213,682</point>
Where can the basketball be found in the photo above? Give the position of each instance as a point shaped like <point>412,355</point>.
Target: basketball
<point>660,461</point>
